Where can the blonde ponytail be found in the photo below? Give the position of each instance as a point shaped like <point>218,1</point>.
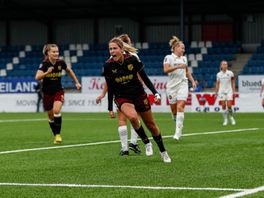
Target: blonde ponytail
<point>174,42</point>
<point>129,48</point>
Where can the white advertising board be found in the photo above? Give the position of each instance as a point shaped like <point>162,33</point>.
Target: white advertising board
<point>249,83</point>
<point>79,102</point>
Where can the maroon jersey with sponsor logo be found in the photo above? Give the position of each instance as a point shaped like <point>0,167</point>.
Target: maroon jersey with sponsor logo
<point>122,77</point>
<point>52,81</point>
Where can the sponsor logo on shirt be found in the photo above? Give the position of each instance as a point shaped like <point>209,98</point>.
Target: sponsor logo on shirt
<point>130,67</point>
<point>124,79</point>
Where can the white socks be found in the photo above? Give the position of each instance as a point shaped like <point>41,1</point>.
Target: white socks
<point>134,136</point>
<point>179,122</point>
<point>122,130</point>
<point>225,112</point>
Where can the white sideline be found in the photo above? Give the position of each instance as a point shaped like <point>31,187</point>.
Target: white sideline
<point>120,186</point>
<point>116,141</point>
<point>245,192</point>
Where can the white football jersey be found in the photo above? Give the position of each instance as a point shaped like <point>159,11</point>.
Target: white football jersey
<point>224,78</point>
<point>178,75</point>
<point>262,82</point>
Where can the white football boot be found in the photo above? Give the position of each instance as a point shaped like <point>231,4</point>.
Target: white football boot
<point>149,150</point>
<point>232,120</point>
<point>178,134</point>
<point>225,122</point>
<point>165,157</point>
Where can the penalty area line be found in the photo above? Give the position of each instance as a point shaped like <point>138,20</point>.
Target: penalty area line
<point>122,186</point>
<point>117,141</point>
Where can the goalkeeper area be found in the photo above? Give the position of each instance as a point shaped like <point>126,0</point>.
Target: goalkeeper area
<point>209,161</point>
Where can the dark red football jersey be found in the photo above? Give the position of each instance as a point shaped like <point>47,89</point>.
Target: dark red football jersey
<point>122,78</point>
<point>52,81</point>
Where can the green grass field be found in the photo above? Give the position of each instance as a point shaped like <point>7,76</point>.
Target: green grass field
<point>227,161</point>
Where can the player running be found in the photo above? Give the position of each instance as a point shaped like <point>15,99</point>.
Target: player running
<point>175,65</point>
<point>121,74</point>
<point>122,120</point>
<point>225,89</point>
<point>50,71</point>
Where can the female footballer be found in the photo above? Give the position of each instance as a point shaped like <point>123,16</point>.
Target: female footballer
<point>175,65</point>
<point>122,120</point>
<point>51,71</point>
<point>121,74</point>
<point>225,89</point>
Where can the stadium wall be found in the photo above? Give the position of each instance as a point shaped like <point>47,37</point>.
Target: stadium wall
<point>156,29</point>
<point>74,31</point>
<point>253,28</point>
<point>2,33</point>
<point>115,26</point>
<point>27,32</point>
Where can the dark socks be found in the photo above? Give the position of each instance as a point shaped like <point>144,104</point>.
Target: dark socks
<point>51,123</point>
<point>57,124</point>
<point>158,140</point>
<point>141,133</point>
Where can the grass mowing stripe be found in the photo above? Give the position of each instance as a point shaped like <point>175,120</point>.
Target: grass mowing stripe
<point>120,186</point>
<point>245,192</point>
<point>116,141</point>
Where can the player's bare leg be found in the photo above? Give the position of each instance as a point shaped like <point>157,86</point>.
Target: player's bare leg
<point>173,111</point>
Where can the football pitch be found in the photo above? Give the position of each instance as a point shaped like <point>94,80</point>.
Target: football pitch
<point>209,161</point>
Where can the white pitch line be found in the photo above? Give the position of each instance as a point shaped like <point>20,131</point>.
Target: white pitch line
<point>23,120</point>
<point>219,132</point>
<point>59,147</point>
<point>116,141</point>
<point>121,186</point>
<point>245,192</point>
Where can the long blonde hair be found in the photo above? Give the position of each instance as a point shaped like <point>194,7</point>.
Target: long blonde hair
<point>46,49</point>
<point>130,49</point>
<point>125,38</point>
<point>174,42</point>
<point>127,47</point>
<point>124,46</point>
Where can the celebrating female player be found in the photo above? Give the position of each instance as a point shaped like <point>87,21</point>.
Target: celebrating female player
<point>175,65</point>
<point>121,74</point>
<point>122,120</point>
<point>225,89</point>
<point>50,71</point>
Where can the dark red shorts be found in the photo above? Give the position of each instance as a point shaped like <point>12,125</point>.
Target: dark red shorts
<point>48,99</point>
<point>141,102</point>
